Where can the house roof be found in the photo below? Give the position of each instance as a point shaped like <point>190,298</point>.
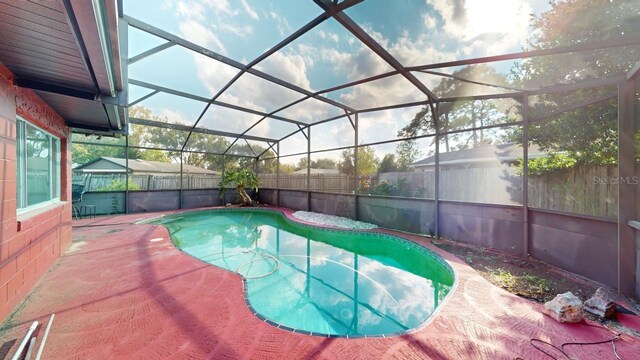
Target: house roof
<point>483,153</point>
<point>137,165</point>
<point>71,56</point>
<point>317,171</point>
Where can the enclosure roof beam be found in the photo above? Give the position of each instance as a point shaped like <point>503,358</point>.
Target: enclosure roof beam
<point>293,133</point>
<point>150,52</point>
<point>626,41</point>
<point>266,150</point>
<point>513,95</point>
<point>366,39</point>
<point>572,107</point>
<point>358,82</point>
<point>181,127</point>
<point>634,71</point>
<point>281,44</point>
<point>470,81</point>
<point>585,84</point>
<point>144,98</point>
<point>138,24</point>
<point>205,100</point>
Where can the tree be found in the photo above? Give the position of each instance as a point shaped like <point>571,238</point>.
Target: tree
<point>287,168</point>
<point>241,178</point>
<point>202,150</point>
<point>302,163</point>
<point>587,135</point>
<point>324,163</point>
<point>268,162</point>
<point>367,161</point>
<point>463,114</point>
<point>408,153</point>
<point>388,164</point>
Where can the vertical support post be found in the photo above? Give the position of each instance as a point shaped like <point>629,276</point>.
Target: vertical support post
<point>355,168</point>
<point>278,174</point>
<point>309,168</point>
<point>436,175</point>
<point>627,188</point>
<point>224,202</point>
<point>181,176</point>
<point>355,292</point>
<point>525,176</point>
<point>255,166</point>
<point>126,174</point>
<point>308,277</point>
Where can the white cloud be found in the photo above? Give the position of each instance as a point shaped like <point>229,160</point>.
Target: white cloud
<point>429,21</point>
<point>391,90</point>
<point>410,51</point>
<point>357,64</point>
<point>283,25</point>
<point>250,11</point>
<point>238,30</point>
<point>197,33</point>
<point>191,9</point>
<point>289,67</point>
<point>502,24</point>
<point>175,117</point>
<point>221,7</point>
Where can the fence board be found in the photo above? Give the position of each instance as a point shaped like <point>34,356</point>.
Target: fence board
<point>590,190</point>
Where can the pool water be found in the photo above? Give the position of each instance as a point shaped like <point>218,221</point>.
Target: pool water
<point>318,281</point>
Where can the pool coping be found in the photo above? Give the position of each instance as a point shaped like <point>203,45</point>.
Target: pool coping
<point>438,255</point>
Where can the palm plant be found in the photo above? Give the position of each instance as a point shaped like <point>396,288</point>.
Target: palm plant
<point>244,178</point>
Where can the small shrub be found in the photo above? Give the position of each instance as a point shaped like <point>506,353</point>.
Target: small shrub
<point>120,185</point>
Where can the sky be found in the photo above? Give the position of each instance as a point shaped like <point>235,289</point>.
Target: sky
<point>415,32</point>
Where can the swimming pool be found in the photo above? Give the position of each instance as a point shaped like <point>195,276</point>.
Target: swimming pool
<point>315,280</point>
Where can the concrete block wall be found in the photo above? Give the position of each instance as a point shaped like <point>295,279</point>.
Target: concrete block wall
<point>31,242</point>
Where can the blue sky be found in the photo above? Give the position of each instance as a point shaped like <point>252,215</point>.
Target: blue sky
<point>416,32</point>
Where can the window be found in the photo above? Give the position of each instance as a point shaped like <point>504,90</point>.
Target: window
<point>38,166</point>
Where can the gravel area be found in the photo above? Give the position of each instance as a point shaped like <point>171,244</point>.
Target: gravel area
<point>330,220</point>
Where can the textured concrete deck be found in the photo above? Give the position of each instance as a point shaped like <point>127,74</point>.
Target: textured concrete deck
<point>118,295</point>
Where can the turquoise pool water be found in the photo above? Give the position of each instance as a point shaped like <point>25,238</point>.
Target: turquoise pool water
<point>318,281</point>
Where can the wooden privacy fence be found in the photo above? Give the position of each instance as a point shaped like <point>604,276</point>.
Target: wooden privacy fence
<point>320,182</point>
<point>97,182</point>
<point>589,190</point>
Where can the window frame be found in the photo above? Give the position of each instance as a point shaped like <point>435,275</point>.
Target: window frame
<point>55,167</point>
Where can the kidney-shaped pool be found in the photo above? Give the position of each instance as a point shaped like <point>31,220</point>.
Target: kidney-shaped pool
<point>315,280</point>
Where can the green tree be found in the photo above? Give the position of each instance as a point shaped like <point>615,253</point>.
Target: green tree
<point>388,164</point>
<point>268,162</point>
<point>202,150</point>
<point>408,152</point>
<point>323,163</point>
<point>242,179</point>
<point>302,163</point>
<point>367,161</point>
<point>463,114</point>
<point>587,135</point>
<point>287,168</point>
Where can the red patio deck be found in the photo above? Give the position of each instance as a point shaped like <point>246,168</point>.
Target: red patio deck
<point>117,295</point>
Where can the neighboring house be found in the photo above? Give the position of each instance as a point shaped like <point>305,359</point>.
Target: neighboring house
<point>318,171</point>
<point>481,156</point>
<point>109,165</point>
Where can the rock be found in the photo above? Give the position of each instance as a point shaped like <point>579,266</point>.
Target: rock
<point>228,205</point>
<point>601,305</point>
<point>565,308</point>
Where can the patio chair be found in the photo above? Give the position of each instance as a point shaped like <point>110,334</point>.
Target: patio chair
<point>76,196</point>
